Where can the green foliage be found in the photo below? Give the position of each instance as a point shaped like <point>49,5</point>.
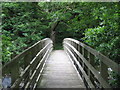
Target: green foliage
<point>106,37</point>
<point>22,25</point>
<point>6,48</point>
<point>114,80</point>
<point>96,24</point>
<point>91,35</point>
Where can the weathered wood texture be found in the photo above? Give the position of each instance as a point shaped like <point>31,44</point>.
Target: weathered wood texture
<point>60,73</point>
<point>94,75</point>
<point>28,67</point>
<point>25,68</point>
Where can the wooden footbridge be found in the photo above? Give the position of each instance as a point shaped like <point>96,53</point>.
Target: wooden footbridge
<point>40,66</point>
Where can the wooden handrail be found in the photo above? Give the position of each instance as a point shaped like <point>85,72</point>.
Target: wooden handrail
<point>31,61</point>
<point>85,55</point>
<point>83,72</point>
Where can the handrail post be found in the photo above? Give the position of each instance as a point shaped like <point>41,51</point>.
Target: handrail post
<point>78,48</point>
<point>91,61</point>
<point>80,51</point>
<point>83,56</point>
<point>86,56</point>
<point>27,59</point>
<point>34,51</point>
<point>104,71</point>
<point>23,66</point>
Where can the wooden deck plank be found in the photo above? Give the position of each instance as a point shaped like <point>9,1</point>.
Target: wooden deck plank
<point>60,73</point>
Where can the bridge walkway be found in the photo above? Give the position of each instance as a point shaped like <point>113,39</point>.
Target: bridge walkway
<point>59,72</point>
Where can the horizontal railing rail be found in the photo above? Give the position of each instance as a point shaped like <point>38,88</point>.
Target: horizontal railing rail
<point>26,68</point>
<point>84,57</point>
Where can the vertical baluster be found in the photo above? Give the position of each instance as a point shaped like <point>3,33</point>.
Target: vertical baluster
<point>86,54</point>
<point>33,54</point>
<point>42,48</point>
<point>38,47</point>
<point>75,46</point>
<point>27,59</point>
<point>86,57</point>
<point>80,51</point>
<point>35,51</point>
<point>42,44</point>
<point>83,55</point>
<point>70,42</point>
<point>78,46</point>
<point>13,69</point>
<point>77,50</point>
<point>91,61</point>
<point>104,71</point>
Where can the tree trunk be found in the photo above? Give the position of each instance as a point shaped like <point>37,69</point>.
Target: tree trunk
<point>53,31</point>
